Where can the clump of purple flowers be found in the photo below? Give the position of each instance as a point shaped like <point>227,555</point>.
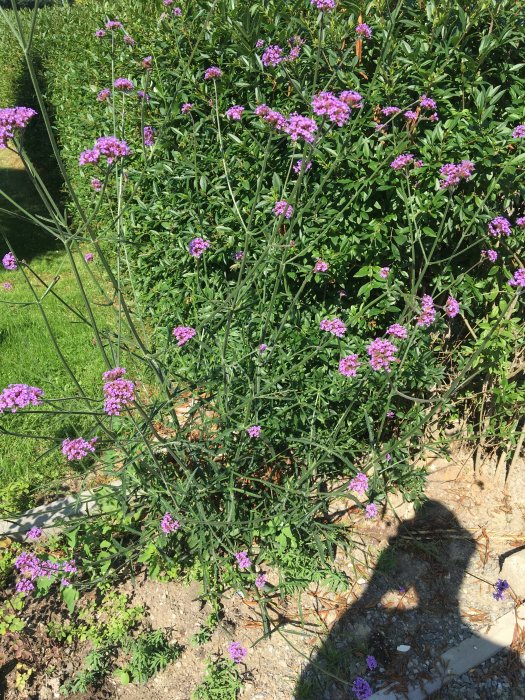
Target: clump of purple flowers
<point>500,226</point>
<point>451,307</point>
<point>88,257</point>
<point>359,483</point>
<point>197,246</point>
<point>103,95</point>
<point>31,568</point>
<point>149,136</point>
<point>428,312</point>
<point>7,286</point>
<point>453,173</point>
<point>398,331</point>
<point>123,84</point>
<point>118,392</point>
<point>518,279</point>
<point>34,533</point>
<point>371,662</point>
<point>11,119</point>
<point>320,265</point>
<point>499,589</point>
<point>243,560</point>
<point>382,354</point>
<point>298,166</point>
<point>17,396</point>
<point>491,255</point>
<point>384,272</point>
<point>361,689</point>
<point>334,326</point>
<point>520,221</point>
<point>410,115</point>
<point>78,448</point>
<point>364,30</point>
<point>371,511</point>
<point>323,4</point>
<point>261,581</point>
<point>349,365</point>
<point>272,56</point>
<point>282,208</point>
<point>183,334</point>
<point>389,111</point>
<point>168,524</point>
<point>254,431</point>
<point>401,161</point>
<point>186,107</point>
<point>237,652</point>
<point>299,127</point>
<point>9,262</point>
<point>519,132</point>
<point>147,62</point>
<point>108,146</point>
<point>235,112</point>
<point>212,73</point>
<point>327,104</point>
<point>427,102</point>
<point>352,98</point>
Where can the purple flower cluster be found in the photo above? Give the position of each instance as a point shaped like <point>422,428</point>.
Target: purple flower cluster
<point>282,208</point>
<point>88,257</point>
<point>327,104</point>
<point>9,262</point>
<point>261,581</point>
<point>168,524</point>
<point>371,662</point>
<point>118,392</point>
<point>212,73</point>
<point>410,115</point>
<point>149,136</point>
<point>427,102</point>
<point>451,307</point>
<point>499,589</point>
<point>500,226</point>
<point>398,331</point>
<point>349,365</point>
<point>428,312</point>
<point>364,30</point>
<point>520,221</point>
<point>31,568</point>
<point>103,95</point>
<point>197,246</point>
<point>7,286</point>
<point>359,483</point>
<point>186,107</point>
<point>183,334</point>
<point>382,354</point>
<point>389,111</point>
<point>123,84</point>
<point>453,173</point>
<point>320,265</point>
<point>361,689</point>
<point>491,255</point>
<point>298,166</point>
<point>235,112</point>
<point>147,62</point>
<point>352,98</point>
<point>299,127</point>
<point>519,132</point>
<point>113,24</point>
<point>402,161</point>
<point>323,4</point>
<point>371,512</point>
<point>518,279</point>
<point>78,448</point>
<point>11,119</point>
<point>17,396</point>
<point>34,533</point>
<point>254,431</point>
<point>334,326</point>
<point>272,56</point>
<point>384,272</point>
<point>237,652</point>
<point>243,560</point>
<point>108,146</point>
<point>271,116</point>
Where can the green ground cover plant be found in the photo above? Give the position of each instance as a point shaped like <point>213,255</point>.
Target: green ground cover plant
<point>308,230</point>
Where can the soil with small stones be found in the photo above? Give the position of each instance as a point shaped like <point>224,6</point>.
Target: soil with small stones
<point>420,580</point>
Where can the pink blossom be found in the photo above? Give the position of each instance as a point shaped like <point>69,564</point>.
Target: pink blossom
<point>382,354</point>
<point>235,112</point>
<point>183,334</point>
<point>254,431</point>
<point>451,307</point>
<point>371,511</point>
<point>359,483</point>
<point>320,265</point>
<point>334,326</point>
<point>364,30</point>
<point>78,448</point>
<point>168,524</point>
<point>237,652</point>
<point>17,396</point>
<point>518,279</point>
<point>282,208</point>
<point>213,72</point>
<point>428,312</point>
<point>349,365</point>
<point>398,331</point>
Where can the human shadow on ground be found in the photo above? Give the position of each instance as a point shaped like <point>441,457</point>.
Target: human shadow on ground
<point>411,600</point>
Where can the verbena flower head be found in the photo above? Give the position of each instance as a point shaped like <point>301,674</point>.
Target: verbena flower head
<point>519,132</point>
<point>389,111</point>
<point>259,43</point>
<point>364,30</point>
<point>334,326</point>
<point>24,586</point>
<point>141,95</point>
<point>382,354</point>
<point>371,512</point>
<point>78,448</point>
<point>491,255</point>
<point>410,115</point>
<point>349,365</point>
<point>518,279</point>
<point>186,107</point>
<point>401,161</point>
<point>235,112</point>
<point>123,84</point>
<point>177,11</point>
<point>9,262</point>
<point>118,392</point>
<point>451,307</point>
<point>327,104</point>
<point>323,4</point>
<point>434,117</point>
<point>11,120</point>
<point>499,589</point>
<point>17,396</point>
<point>100,33</point>
<point>320,265</point>
<point>108,146</point>
<point>103,95</point>
<point>351,98</point>
<point>272,56</point>
<point>428,312</point>
<point>197,246</point>
<point>390,414</point>
<point>34,533</point>
<point>453,173</point>
<point>168,524</point>
<point>212,73</point>
<point>398,331</point>
<point>371,662</point>
<point>520,221</point>
<point>359,483</point>
<point>261,581</point>
<point>298,166</point>
<point>262,347</point>
<point>384,272</point>
<point>254,431</point>
<point>500,226</point>
<point>282,208</point>
<point>147,62</point>
<point>113,24</point>
<point>183,334</point>
<point>361,689</point>
<point>88,257</point>
<point>427,102</point>
<point>237,652</point>
<point>238,255</point>
<point>149,136</point>
<point>129,40</point>
<point>7,286</point>
<point>243,560</point>
<point>299,127</point>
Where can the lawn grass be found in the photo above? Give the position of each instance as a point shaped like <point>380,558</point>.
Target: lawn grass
<point>27,352</point>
